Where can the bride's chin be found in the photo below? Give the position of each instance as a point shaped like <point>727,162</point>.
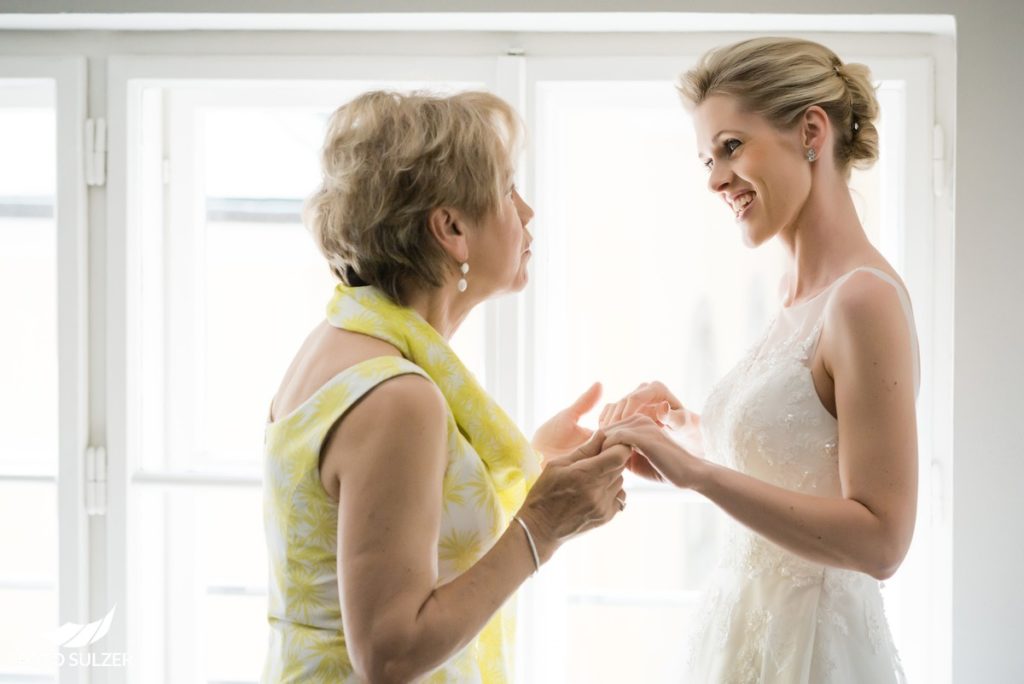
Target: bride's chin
<point>754,237</point>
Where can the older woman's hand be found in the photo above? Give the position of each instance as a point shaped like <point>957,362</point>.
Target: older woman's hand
<point>654,452</point>
<point>575,493</point>
<point>562,434</point>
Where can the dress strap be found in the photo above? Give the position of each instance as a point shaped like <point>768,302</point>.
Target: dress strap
<point>908,311</point>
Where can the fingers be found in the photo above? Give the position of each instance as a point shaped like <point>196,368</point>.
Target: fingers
<point>639,398</point>
<point>620,436</point>
<point>647,398</point>
<point>637,420</point>
<point>592,447</point>
<point>629,433</point>
<point>659,392</point>
<point>586,401</point>
<point>674,418</point>
<point>611,460</point>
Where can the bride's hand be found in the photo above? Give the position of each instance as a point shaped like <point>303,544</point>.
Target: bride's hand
<point>656,401</point>
<point>656,455</point>
<point>651,399</point>
<point>562,434</point>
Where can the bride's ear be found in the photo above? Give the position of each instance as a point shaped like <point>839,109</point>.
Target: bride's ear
<point>448,228</point>
<point>814,130</point>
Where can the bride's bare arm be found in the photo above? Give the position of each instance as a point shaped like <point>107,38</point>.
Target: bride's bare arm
<point>868,353</point>
<point>389,454</point>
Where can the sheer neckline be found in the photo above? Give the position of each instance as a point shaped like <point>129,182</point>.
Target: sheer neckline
<point>828,287</point>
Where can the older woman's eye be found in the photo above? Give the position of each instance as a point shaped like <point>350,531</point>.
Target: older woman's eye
<point>730,145</point>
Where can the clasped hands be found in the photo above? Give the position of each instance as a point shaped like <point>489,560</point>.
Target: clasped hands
<point>581,486</point>
<point>639,421</point>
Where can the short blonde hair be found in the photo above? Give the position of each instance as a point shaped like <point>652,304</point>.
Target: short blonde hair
<point>779,78</point>
<point>388,160</point>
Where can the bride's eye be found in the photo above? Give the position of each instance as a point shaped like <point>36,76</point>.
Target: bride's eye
<point>708,163</point>
<point>730,145</point>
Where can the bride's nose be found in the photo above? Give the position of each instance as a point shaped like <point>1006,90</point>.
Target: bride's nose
<point>718,179</point>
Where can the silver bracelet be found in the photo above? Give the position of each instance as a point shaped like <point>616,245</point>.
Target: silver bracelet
<point>529,539</point>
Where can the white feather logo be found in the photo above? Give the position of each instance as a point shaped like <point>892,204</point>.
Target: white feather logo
<point>74,635</point>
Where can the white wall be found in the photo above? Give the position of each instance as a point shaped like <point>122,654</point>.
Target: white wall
<point>988,418</point>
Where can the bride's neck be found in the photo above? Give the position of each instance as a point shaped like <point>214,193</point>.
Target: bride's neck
<point>825,241</point>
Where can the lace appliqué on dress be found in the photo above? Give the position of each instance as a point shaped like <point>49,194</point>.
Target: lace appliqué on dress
<point>770,616</point>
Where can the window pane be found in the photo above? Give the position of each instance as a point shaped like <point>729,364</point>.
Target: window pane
<point>627,643</point>
<point>202,596</point>
<point>28,376</point>
<point>28,536</point>
<point>28,577</point>
<point>27,650</point>
<point>28,277</point>
<point>267,287</point>
<point>628,233</point>
<point>657,251</point>
<point>610,559</point>
<point>235,644</point>
<point>234,280</point>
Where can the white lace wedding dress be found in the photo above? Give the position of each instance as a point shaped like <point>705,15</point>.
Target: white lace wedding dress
<point>770,616</point>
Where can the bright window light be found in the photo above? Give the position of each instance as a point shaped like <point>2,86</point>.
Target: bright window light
<point>28,376</point>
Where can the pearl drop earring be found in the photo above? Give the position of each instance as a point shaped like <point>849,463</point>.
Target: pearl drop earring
<point>462,284</point>
<point>811,154</point>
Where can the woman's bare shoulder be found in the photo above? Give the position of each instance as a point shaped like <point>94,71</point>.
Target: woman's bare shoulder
<point>866,314</point>
<point>325,353</point>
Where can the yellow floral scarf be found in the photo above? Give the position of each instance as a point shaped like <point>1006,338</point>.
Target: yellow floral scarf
<point>511,462</point>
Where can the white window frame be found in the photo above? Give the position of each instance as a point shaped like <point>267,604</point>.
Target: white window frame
<point>511,359</point>
<point>69,77</point>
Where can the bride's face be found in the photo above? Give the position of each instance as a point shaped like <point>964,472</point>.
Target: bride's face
<point>759,171</point>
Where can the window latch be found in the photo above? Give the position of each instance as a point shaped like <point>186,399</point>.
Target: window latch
<point>95,152</point>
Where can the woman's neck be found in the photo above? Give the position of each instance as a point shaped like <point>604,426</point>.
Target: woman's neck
<point>444,308</point>
<point>825,241</point>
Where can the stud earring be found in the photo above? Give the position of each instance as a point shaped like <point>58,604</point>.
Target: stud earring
<point>811,154</point>
<point>463,284</point>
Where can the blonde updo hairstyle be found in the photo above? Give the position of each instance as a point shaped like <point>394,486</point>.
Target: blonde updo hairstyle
<point>779,78</point>
<point>388,160</point>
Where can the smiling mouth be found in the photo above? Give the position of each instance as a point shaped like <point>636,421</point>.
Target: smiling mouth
<point>741,204</point>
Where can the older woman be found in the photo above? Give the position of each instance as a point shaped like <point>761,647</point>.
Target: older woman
<point>810,440</point>
<point>403,507</point>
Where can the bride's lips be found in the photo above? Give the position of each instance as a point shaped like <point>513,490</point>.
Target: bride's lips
<point>749,197</point>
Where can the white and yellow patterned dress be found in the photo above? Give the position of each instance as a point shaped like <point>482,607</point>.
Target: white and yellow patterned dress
<point>307,641</point>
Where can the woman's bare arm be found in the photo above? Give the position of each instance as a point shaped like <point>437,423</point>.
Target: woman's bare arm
<point>390,454</point>
<point>868,353</point>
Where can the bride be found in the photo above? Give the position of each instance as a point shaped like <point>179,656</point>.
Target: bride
<point>810,442</point>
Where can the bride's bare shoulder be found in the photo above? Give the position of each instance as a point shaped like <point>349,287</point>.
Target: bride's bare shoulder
<point>866,314</point>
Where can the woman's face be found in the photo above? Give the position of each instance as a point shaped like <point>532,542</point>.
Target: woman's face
<point>500,247</point>
<point>760,172</point>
